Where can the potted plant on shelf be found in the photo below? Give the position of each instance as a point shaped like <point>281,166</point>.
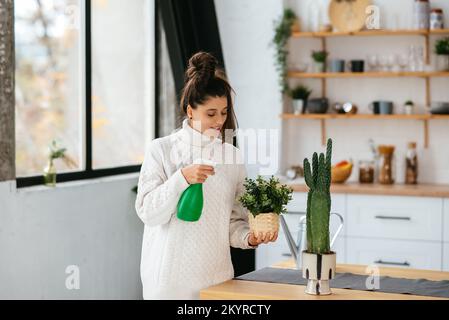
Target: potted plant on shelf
<point>265,200</point>
<point>409,107</point>
<point>319,58</point>
<point>282,32</point>
<point>442,52</point>
<point>318,261</point>
<point>299,95</point>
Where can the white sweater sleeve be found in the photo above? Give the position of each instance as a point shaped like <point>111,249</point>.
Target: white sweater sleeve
<point>157,196</point>
<point>239,227</point>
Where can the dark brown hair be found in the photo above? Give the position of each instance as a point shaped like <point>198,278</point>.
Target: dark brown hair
<point>204,79</point>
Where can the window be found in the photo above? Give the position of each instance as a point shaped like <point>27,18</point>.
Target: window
<point>48,89</point>
<point>85,78</point>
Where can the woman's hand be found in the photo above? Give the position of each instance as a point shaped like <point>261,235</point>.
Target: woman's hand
<point>255,240</point>
<point>197,173</point>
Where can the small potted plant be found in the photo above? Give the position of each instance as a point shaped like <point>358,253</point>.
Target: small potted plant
<point>299,95</point>
<point>319,58</point>
<point>442,52</point>
<point>409,107</point>
<point>265,201</point>
<point>318,261</point>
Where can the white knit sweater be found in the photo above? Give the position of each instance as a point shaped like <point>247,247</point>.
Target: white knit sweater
<point>180,258</point>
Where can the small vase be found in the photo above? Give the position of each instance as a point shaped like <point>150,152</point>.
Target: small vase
<point>263,223</point>
<point>443,62</point>
<point>318,269</point>
<point>50,174</point>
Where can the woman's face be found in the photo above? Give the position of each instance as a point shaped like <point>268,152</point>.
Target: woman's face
<point>209,117</point>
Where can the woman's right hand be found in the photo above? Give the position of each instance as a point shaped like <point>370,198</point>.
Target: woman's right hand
<point>197,173</point>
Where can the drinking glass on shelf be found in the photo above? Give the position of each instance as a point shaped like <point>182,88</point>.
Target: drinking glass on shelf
<point>372,62</point>
<point>382,60</point>
<point>416,58</point>
<point>390,62</point>
<point>402,60</point>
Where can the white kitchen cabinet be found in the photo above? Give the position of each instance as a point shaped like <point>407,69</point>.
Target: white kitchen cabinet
<point>394,217</point>
<point>446,256</point>
<point>446,220</point>
<point>394,253</point>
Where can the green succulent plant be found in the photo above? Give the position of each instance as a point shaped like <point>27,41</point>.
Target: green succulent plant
<point>300,93</point>
<point>318,179</point>
<point>442,46</point>
<point>319,56</point>
<point>263,196</point>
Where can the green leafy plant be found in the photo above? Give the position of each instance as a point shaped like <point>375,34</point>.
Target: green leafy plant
<point>55,151</point>
<point>262,196</point>
<point>442,46</point>
<point>300,93</point>
<point>319,56</point>
<point>318,179</point>
<point>282,32</point>
<point>409,103</point>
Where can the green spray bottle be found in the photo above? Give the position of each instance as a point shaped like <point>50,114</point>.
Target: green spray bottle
<point>190,204</point>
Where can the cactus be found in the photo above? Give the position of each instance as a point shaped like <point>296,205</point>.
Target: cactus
<point>318,179</point>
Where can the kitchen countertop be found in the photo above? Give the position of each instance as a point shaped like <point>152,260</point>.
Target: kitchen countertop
<point>253,290</point>
<point>418,190</point>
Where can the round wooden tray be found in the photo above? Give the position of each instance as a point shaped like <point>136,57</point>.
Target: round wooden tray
<point>348,15</point>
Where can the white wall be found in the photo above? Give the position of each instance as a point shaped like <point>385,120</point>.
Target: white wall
<point>90,224</point>
<point>246,29</point>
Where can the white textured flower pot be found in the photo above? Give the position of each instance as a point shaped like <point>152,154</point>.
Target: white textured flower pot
<point>263,222</point>
<point>318,269</point>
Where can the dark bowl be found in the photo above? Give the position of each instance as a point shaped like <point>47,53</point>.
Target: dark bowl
<point>318,105</point>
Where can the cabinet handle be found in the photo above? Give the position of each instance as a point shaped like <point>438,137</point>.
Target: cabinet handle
<point>393,218</point>
<point>405,263</point>
<point>286,254</point>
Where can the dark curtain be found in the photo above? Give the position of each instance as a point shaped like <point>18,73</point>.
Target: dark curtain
<point>191,26</point>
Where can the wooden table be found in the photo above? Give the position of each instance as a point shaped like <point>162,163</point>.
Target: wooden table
<point>253,290</point>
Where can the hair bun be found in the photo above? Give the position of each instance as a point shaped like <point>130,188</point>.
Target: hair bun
<point>202,67</point>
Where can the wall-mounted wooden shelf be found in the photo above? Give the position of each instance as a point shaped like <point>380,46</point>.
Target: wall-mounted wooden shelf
<point>368,33</point>
<point>425,75</point>
<point>329,116</point>
<point>369,74</point>
<point>365,116</point>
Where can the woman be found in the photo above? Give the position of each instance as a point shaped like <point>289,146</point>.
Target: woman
<point>180,258</point>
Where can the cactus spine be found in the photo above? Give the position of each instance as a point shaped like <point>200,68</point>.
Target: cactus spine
<point>318,179</point>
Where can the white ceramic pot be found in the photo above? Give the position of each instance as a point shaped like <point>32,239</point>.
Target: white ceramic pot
<point>318,269</point>
<point>263,223</point>
<point>298,105</point>
<point>442,62</point>
<point>319,67</point>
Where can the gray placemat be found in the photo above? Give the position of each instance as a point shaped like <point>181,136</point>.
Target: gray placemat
<point>419,287</point>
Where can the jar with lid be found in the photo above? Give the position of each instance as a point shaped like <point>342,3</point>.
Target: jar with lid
<point>387,164</point>
<point>411,164</point>
<point>366,171</point>
<point>436,19</point>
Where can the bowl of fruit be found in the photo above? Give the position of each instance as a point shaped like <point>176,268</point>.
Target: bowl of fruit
<point>341,171</point>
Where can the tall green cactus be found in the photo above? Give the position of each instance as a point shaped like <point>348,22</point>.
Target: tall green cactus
<point>318,178</point>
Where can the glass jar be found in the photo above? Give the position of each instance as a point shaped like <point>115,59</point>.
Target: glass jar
<point>387,164</point>
<point>411,164</point>
<point>421,14</point>
<point>50,174</point>
<point>366,171</point>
